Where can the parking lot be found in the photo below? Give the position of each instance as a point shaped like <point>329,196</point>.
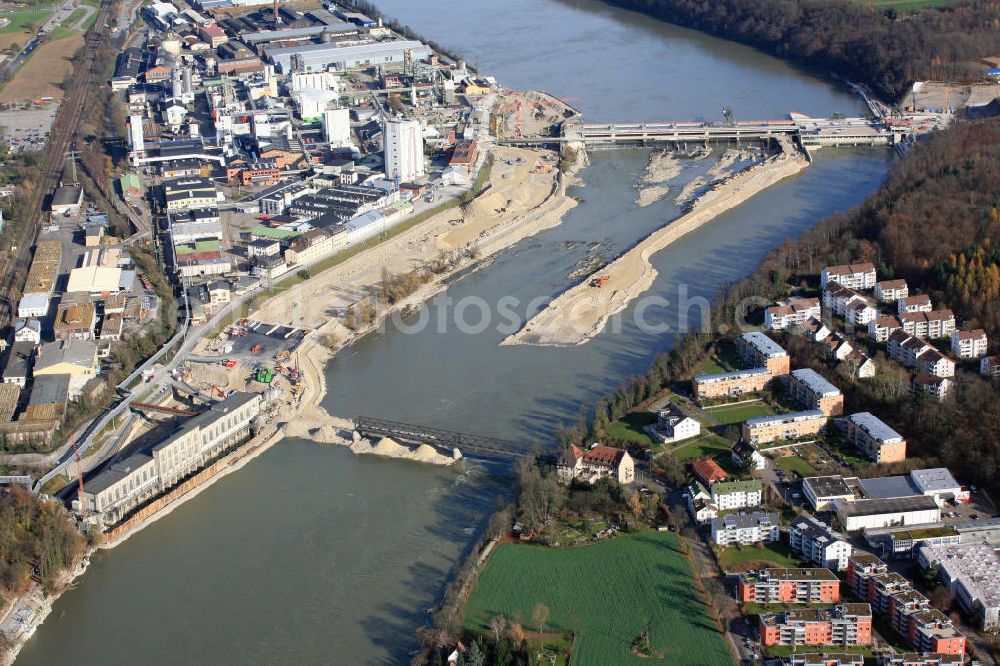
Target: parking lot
<point>27,129</point>
<point>268,340</point>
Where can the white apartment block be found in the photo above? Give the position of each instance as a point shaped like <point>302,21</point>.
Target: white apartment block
<point>917,303</point>
<point>890,291</point>
<point>855,276</point>
<point>881,327</point>
<point>819,544</point>
<point>969,344</point>
<point>746,528</point>
<point>989,366</point>
<point>794,312</point>
<point>936,364</point>
<point>737,494</point>
<point>856,309</point>
<point>933,324</point>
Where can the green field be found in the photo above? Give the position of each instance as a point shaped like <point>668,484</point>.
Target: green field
<point>793,465</point>
<point>24,21</point>
<point>630,427</point>
<point>772,553</point>
<point>606,595</point>
<point>707,445</point>
<point>729,414</point>
<point>710,367</point>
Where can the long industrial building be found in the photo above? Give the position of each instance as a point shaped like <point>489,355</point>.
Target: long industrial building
<point>127,484</point>
<point>318,57</point>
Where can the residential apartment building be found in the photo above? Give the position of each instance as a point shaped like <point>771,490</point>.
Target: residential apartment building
<point>818,544</point>
<point>969,344</point>
<point>673,425</point>
<point>936,364</point>
<point>934,324</point>
<point>812,389</point>
<point>870,435</point>
<point>856,309</point>
<point>727,495</point>
<point>918,303</point>
<point>732,384</point>
<point>854,276</point>
<point>793,425</point>
<point>883,326</point>
<point>905,348</point>
<point>793,312</point>
<point>890,291</point>
<point>757,350</point>
<point>797,586</point>
<point>936,387</point>
<point>907,611</point>
<point>971,571</point>
<point>989,366</point>
<point>845,624</point>
<point>126,485</point>
<point>746,528</point>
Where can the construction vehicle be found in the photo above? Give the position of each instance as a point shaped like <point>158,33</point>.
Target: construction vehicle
<point>219,391</point>
<point>255,348</point>
<point>229,363</point>
<point>599,281</point>
<point>265,375</point>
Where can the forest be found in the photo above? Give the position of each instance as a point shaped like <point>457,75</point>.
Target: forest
<point>37,542</point>
<point>935,222</point>
<point>884,49</point>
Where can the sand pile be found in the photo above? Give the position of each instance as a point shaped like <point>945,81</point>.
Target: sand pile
<point>722,167</point>
<point>689,191</point>
<point>581,312</point>
<point>389,448</point>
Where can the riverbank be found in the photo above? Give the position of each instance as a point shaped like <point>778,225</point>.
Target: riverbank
<point>581,312</point>
<point>525,195</point>
<point>35,605</point>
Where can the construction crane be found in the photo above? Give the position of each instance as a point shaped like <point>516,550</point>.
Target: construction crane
<point>727,117</point>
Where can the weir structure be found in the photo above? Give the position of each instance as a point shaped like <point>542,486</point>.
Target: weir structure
<point>470,445</point>
<point>807,131</point>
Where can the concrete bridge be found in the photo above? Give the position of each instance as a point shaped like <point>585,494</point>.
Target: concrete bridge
<point>808,132</point>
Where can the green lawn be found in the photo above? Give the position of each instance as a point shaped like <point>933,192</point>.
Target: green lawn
<point>630,427</point>
<point>729,414</point>
<point>775,554</point>
<point>606,595</point>
<point>793,465</point>
<point>24,21</point>
<point>710,367</point>
<point>707,445</point>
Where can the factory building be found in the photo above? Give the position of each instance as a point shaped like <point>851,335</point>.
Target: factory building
<point>313,57</point>
<point>404,150</point>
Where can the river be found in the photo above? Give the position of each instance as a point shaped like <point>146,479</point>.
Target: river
<point>309,555</point>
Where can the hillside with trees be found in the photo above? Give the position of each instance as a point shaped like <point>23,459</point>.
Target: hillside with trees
<point>37,542</point>
<point>882,48</point>
<point>935,222</point>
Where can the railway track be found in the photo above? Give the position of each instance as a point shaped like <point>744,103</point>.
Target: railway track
<point>63,131</point>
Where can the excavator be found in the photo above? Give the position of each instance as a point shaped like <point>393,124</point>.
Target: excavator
<point>599,281</point>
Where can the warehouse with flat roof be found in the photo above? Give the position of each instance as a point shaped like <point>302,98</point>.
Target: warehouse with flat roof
<point>319,57</point>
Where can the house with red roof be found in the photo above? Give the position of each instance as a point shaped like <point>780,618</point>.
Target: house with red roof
<point>596,463</point>
<point>708,472</point>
